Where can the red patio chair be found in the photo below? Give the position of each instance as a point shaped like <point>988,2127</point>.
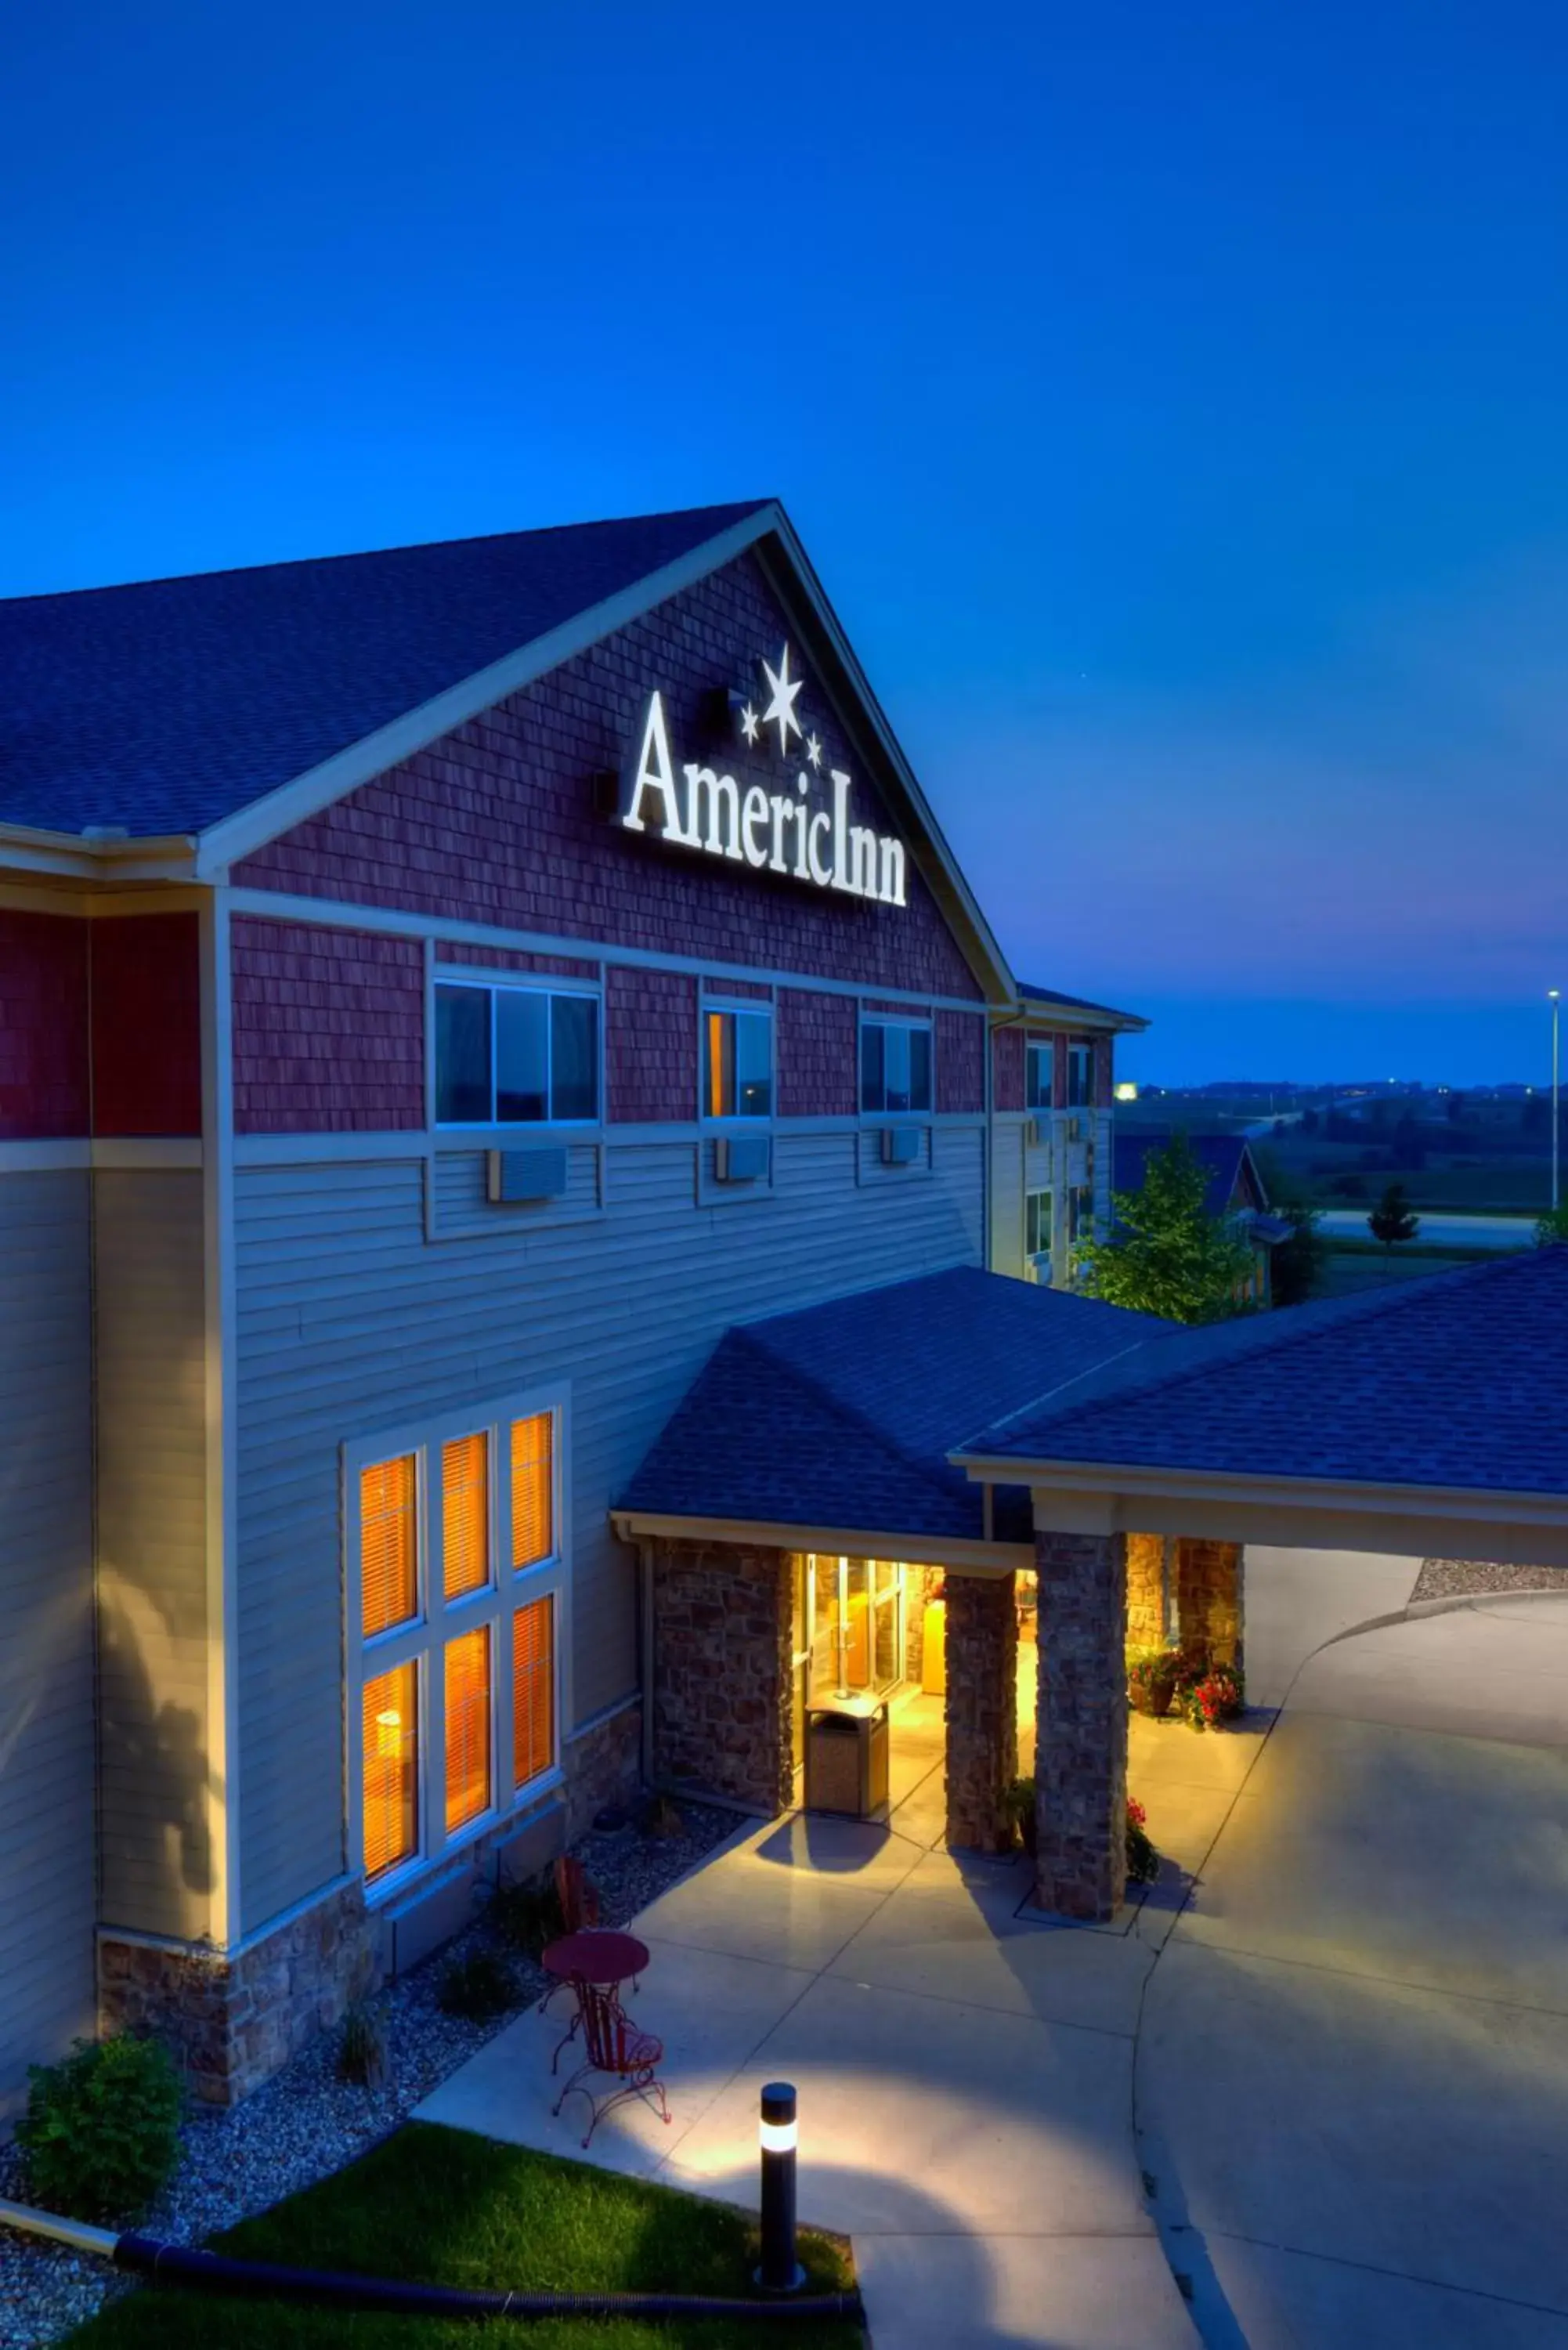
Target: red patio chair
<point>578,1897</point>
<point>618,2048</point>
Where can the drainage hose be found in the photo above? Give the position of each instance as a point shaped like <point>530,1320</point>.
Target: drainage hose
<point>215,2272</point>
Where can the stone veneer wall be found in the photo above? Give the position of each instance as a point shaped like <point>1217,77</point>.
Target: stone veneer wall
<point>721,1670</point>
<point>1145,1591</point>
<point>1209,1599</point>
<point>232,2021</point>
<point>981,1708</point>
<point>1081,1753</point>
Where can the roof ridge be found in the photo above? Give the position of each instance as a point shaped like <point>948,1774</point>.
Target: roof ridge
<point>839,1409</point>
<point>736,506</point>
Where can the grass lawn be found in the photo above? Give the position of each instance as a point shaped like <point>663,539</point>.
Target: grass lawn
<point>442,2207</point>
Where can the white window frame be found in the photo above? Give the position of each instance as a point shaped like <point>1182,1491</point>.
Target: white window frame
<point>422,1640</point>
<point>495,983</point>
<point>1045,1047</point>
<point>1081,1049</point>
<point>892,1020</point>
<point>738,1121</point>
<point>1040,1256</point>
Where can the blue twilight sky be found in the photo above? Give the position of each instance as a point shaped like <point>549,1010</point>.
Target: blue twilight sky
<point>1172,400</point>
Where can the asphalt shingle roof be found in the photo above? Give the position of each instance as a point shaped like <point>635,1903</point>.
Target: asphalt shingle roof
<point>1219,1156</point>
<point>1030,992</point>
<point>162,706</point>
<point>843,1415</point>
<point>1458,1380</point>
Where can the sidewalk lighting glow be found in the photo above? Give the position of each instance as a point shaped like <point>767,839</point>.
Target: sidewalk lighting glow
<point>777,2137</point>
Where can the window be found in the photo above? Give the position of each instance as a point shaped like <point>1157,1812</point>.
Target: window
<point>514,1056</point>
<point>738,1063</point>
<point>895,1067</point>
<point>1039,1074</point>
<point>461,1573</point>
<point>1080,1214</point>
<point>1037,1224</point>
<point>1080,1076</point>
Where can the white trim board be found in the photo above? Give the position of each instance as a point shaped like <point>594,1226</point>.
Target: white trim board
<point>968,1556</point>
<point>99,1151</point>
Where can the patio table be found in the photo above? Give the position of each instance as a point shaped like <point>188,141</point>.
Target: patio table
<point>595,1954</point>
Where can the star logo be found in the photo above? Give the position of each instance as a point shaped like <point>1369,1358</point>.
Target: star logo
<point>814,749</point>
<point>750,726</point>
<point>780,712</point>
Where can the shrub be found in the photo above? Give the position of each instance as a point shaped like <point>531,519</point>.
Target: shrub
<point>527,1915</point>
<point>1143,1860</point>
<point>362,2052</point>
<point>101,2131</point>
<point>477,1986</point>
<point>1019,1804</point>
<point>662,1819</point>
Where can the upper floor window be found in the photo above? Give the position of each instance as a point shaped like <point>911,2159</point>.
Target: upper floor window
<point>894,1065</point>
<point>738,1063</point>
<point>1037,1224</point>
<point>514,1055</point>
<point>1080,1076</point>
<point>1039,1074</point>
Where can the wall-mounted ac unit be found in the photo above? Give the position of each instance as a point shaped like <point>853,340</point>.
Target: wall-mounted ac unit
<point>741,1159</point>
<point>513,1176</point>
<point>900,1146</point>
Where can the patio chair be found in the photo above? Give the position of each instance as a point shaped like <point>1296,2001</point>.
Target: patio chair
<point>615,2047</point>
<point>579,1898</point>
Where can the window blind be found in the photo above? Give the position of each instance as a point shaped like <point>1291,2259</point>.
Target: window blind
<point>532,1690</point>
<point>467,1728</point>
<point>533,1488</point>
<point>389,1543</point>
<point>391,1769</point>
<point>465,1515</point>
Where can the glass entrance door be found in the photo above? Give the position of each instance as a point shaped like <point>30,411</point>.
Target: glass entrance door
<point>854,1619</point>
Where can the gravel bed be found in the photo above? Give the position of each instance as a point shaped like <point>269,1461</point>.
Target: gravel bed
<point>305,2122</point>
<point>1462,1578</point>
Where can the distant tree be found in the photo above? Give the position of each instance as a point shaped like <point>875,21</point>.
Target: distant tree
<point>1410,1147</point>
<point>1297,1264</point>
<point>1164,1253</point>
<point>1552,1226</point>
<point>1311,1121</point>
<point>1392,1220</point>
<point>1456,1109</point>
<point>1535,1117</point>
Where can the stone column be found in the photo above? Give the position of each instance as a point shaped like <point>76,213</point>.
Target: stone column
<point>1145,1591</point>
<point>1081,1752</point>
<point>1209,1599</point>
<point>981,1706</point>
<point>722,1691</point>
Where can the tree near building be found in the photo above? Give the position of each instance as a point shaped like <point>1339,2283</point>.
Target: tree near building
<point>1164,1253</point>
<point>1552,1226</point>
<point>1392,1220</point>
<point>1297,1264</point>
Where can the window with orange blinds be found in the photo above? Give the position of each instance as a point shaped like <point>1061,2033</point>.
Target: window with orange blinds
<point>389,1543</point>
<point>533,1488</point>
<point>391,1734</point>
<point>532,1689</point>
<point>467,1728</point>
<point>465,1515</point>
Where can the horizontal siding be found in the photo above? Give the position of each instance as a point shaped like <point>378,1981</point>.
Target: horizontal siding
<point>1009,1182</point>
<point>151,1487</point>
<point>47,1861</point>
<point>461,1201</point>
<point>349,1323</point>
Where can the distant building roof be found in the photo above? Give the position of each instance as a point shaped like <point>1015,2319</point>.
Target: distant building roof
<point>1222,1157</point>
<point>843,1415</point>
<point>162,706</point>
<point>1458,1380</point>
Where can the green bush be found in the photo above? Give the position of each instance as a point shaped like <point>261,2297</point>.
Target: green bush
<point>527,1915</point>
<point>1019,1804</point>
<point>101,2131</point>
<point>477,1986</point>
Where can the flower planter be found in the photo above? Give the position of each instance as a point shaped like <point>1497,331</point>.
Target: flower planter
<point>1151,1697</point>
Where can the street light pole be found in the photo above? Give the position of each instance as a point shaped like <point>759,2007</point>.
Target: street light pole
<point>1553,996</point>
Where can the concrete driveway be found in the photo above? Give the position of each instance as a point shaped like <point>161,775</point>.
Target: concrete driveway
<point>1352,2072</point>
<point>1312,2092</point>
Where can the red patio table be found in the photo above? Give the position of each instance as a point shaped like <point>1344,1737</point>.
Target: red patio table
<point>595,1954</point>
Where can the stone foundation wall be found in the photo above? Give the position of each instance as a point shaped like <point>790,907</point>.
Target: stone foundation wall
<point>721,1670</point>
<point>981,1706</point>
<point>1081,1754</point>
<point>1147,1614</point>
<point>603,1764</point>
<point>231,2022</point>
<point>1209,1595</point>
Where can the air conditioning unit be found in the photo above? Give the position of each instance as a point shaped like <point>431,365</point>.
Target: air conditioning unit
<point>515,1176</point>
<point>741,1159</point>
<point>900,1146</point>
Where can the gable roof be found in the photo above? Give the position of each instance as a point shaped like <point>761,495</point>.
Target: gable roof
<point>1044,1000</point>
<point>163,706</point>
<point>1221,1157</point>
<point>845,1414</point>
<point>1460,1381</point>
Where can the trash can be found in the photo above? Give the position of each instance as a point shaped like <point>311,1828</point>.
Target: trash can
<point>847,1756</point>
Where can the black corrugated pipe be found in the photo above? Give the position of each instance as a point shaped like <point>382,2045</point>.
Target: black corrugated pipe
<point>258,2280</point>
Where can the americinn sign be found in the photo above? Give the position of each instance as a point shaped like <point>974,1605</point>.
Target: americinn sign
<point>805,834</point>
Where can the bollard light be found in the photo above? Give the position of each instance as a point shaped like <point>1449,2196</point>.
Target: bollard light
<point>780,2270</point>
